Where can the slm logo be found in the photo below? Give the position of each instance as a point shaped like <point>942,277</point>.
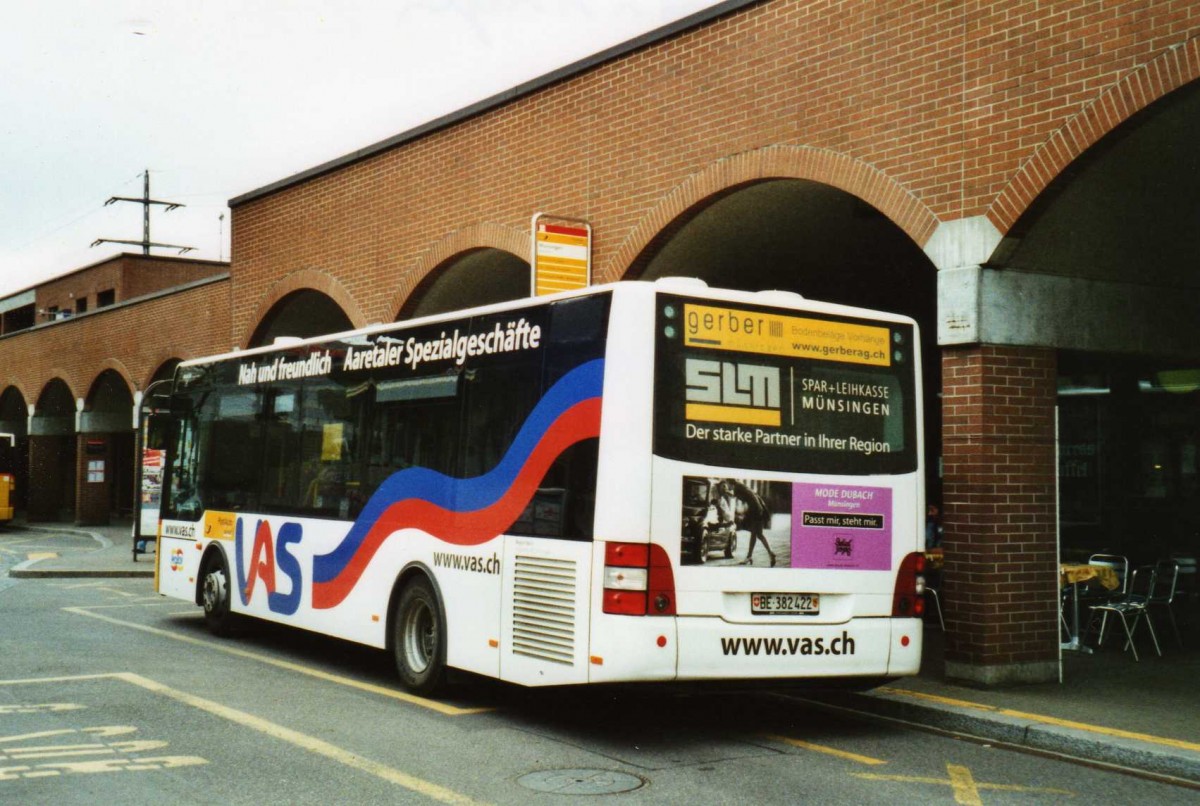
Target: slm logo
<point>726,387</point>
<point>268,555</point>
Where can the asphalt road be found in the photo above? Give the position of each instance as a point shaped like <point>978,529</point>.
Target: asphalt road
<point>110,693</point>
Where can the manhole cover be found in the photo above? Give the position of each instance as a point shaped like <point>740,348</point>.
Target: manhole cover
<point>580,782</point>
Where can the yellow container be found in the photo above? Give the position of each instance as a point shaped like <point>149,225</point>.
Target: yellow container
<point>7,484</point>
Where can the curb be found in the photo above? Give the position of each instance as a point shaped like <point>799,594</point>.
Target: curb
<point>21,571</point>
<point>1160,758</point>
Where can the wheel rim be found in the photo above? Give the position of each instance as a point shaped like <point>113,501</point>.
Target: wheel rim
<point>420,636</point>
<point>215,589</point>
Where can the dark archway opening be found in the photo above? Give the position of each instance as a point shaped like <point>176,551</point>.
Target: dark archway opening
<point>477,277</point>
<point>107,430</point>
<point>1126,212</point>
<point>301,314</point>
<point>815,240</point>
<point>52,455</point>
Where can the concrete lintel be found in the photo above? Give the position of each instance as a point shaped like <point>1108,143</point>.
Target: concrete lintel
<point>1008,307</point>
<point>103,422</point>
<point>44,426</point>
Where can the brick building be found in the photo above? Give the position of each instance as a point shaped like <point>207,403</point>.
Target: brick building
<point>72,377</point>
<point>1020,177</point>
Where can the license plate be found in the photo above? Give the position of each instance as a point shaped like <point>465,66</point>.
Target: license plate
<point>785,604</point>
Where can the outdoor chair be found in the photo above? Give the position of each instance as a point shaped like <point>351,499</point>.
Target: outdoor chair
<point>1130,608</point>
<point>1163,595</point>
<point>1097,595</point>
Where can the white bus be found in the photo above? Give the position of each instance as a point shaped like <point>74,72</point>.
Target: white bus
<point>636,482</point>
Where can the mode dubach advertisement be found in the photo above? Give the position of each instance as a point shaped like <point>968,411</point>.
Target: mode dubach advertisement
<point>748,522</point>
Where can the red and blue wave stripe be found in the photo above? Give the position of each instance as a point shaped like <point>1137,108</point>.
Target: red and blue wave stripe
<point>466,512</point>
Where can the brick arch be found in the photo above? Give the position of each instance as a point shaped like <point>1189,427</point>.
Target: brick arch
<point>777,162</point>
<point>477,236</point>
<point>305,280</point>
<point>1167,72</point>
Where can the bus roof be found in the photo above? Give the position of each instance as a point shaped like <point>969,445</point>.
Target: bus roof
<point>687,286</point>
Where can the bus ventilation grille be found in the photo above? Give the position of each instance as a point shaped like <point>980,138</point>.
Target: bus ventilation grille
<point>544,609</point>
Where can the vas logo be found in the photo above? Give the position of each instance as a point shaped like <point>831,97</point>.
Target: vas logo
<point>728,392</point>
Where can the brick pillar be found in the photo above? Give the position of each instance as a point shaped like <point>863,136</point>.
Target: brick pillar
<point>50,487</point>
<point>91,496</point>
<point>1001,574</point>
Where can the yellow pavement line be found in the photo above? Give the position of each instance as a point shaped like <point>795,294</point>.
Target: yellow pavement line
<point>433,705</point>
<point>301,740</point>
<point>964,786</point>
<point>41,555</point>
<point>1047,720</point>
<point>831,751</point>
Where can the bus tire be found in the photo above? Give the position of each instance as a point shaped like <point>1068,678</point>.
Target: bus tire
<point>215,597</point>
<point>419,638</point>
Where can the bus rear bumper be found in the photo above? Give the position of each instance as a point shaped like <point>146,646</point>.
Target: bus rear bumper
<point>714,649</point>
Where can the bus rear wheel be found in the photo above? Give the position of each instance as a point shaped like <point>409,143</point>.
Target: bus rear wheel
<point>419,639</point>
<point>214,596</point>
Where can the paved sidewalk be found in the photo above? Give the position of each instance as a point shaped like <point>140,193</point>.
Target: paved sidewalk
<point>1109,709</point>
<point>110,556</point>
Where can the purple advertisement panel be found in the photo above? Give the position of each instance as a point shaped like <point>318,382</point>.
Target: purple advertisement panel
<point>840,526</point>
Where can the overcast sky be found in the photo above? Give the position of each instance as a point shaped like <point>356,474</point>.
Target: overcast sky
<point>220,97</point>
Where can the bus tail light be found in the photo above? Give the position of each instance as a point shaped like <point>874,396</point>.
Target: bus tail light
<point>638,580</point>
<point>908,600</point>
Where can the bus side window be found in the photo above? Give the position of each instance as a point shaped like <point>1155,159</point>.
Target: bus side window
<point>577,336</point>
<point>414,422</point>
<point>328,465</point>
<point>230,449</point>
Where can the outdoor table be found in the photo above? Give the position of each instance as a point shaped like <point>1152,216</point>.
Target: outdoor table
<point>1073,574</point>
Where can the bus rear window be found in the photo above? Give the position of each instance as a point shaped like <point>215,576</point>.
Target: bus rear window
<point>769,389</point>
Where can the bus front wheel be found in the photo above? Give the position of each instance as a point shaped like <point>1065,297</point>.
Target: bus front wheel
<point>419,639</point>
<point>215,597</point>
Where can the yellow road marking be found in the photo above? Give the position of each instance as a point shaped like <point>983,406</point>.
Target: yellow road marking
<point>963,784</point>
<point>433,705</point>
<point>1048,720</point>
<point>832,751</point>
<point>41,555</point>
<point>303,741</point>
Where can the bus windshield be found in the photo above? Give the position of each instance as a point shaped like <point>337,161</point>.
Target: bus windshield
<point>755,387</point>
